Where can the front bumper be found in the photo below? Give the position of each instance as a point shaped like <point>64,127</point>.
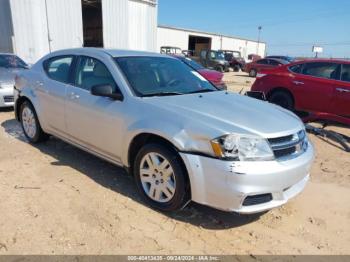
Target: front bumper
<point>6,97</point>
<point>226,185</point>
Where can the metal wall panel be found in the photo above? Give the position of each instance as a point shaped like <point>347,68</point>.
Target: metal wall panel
<point>5,27</point>
<point>129,24</point>
<point>41,26</point>
<point>115,23</point>
<point>29,29</point>
<point>142,26</point>
<point>65,24</point>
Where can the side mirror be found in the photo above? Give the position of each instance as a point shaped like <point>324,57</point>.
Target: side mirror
<point>106,91</point>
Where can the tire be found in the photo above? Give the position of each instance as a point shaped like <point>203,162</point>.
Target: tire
<point>283,99</point>
<point>252,73</point>
<point>30,124</point>
<point>163,185</point>
<point>236,68</point>
<point>219,68</point>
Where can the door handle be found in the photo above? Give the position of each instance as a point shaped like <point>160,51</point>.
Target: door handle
<point>74,96</point>
<point>298,83</point>
<point>39,83</point>
<point>343,90</point>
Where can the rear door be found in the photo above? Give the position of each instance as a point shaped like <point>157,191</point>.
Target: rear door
<point>262,64</point>
<point>314,86</point>
<point>53,91</point>
<point>341,102</point>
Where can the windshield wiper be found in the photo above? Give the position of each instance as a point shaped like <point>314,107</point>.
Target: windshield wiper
<point>202,91</point>
<point>163,94</point>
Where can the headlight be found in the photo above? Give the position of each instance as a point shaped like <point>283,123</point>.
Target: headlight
<point>242,148</point>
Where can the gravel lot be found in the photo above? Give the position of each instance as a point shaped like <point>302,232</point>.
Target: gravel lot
<point>57,199</point>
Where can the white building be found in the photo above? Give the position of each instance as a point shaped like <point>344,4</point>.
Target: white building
<point>187,39</point>
<point>33,28</point>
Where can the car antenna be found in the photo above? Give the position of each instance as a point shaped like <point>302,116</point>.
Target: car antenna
<point>240,92</point>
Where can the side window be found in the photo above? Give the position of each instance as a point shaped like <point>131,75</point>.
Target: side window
<point>323,70</point>
<point>91,72</point>
<point>212,55</point>
<point>345,74</point>
<point>274,62</point>
<point>203,54</point>
<point>296,68</point>
<point>58,68</point>
<point>262,62</point>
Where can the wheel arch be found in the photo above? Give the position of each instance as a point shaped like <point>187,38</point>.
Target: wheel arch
<point>281,89</point>
<point>141,139</point>
<point>19,103</point>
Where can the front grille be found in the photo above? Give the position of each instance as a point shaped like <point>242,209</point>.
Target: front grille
<point>289,146</point>
<point>8,99</point>
<point>257,199</point>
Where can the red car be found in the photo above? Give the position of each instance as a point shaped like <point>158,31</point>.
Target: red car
<point>266,63</point>
<point>320,87</point>
<point>213,76</point>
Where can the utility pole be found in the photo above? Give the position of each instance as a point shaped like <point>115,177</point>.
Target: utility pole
<point>259,34</point>
<point>48,26</point>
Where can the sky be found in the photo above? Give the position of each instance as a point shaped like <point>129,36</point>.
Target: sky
<point>289,27</point>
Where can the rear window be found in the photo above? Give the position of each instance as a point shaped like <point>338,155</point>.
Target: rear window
<point>58,68</point>
<point>12,61</point>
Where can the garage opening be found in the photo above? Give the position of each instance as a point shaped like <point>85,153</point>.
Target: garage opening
<point>92,23</point>
<point>198,43</point>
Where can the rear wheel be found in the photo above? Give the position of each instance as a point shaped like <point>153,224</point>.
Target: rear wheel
<point>252,73</point>
<point>160,177</point>
<point>283,99</point>
<point>236,68</point>
<point>219,68</point>
<point>30,124</point>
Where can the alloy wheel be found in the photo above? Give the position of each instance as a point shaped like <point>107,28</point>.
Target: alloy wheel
<point>157,177</point>
<point>29,122</point>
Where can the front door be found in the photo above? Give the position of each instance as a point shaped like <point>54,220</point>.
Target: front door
<point>316,86</point>
<point>92,121</point>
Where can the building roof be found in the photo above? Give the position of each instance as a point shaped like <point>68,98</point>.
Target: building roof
<point>208,33</point>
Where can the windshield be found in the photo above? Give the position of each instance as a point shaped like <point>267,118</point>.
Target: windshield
<point>192,64</point>
<point>12,61</point>
<point>162,75</point>
<point>218,55</point>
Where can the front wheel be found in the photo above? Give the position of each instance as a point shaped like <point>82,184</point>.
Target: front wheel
<point>283,99</point>
<point>30,124</point>
<point>160,177</point>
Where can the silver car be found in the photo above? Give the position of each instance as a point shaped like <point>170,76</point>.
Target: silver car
<point>180,137</point>
<point>10,65</point>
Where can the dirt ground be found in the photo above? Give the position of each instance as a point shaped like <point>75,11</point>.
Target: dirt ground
<point>57,199</point>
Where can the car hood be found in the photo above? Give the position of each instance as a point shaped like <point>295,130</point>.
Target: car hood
<point>231,113</point>
<point>7,75</point>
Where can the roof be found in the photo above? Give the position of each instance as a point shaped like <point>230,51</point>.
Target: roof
<point>282,61</point>
<point>335,60</point>
<point>208,33</point>
<point>111,52</point>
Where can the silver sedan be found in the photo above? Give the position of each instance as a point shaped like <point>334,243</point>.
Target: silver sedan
<point>180,137</point>
<point>10,65</point>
